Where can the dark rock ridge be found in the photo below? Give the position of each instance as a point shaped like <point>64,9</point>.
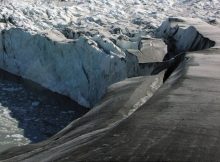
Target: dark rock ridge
<point>180,122</point>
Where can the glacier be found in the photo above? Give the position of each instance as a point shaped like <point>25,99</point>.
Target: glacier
<point>116,58</point>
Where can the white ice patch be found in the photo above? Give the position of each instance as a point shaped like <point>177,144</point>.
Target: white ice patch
<point>17,136</point>
<point>36,103</point>
<point>11,89</point>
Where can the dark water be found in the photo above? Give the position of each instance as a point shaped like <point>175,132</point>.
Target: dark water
<point>30,113</point>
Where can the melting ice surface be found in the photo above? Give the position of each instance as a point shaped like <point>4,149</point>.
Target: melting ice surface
<point>32,116</point>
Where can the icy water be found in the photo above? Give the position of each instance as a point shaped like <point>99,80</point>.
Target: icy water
<point>30,113</point>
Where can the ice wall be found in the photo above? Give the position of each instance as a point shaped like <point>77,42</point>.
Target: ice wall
<point>81,69</point>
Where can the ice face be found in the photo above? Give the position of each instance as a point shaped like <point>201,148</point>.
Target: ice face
<point>78,48</point>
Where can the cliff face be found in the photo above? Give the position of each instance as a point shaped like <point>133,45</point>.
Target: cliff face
<point>78,48</point>
<point>181,39</point>
<point>56,46</point>
<point>178,122</point>
<point>81,69</point>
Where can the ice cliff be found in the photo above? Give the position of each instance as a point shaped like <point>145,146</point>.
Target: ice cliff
<point>79,63</point>
<point>149,126</point>
<point>81,69</point>
<point>79,48</point>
